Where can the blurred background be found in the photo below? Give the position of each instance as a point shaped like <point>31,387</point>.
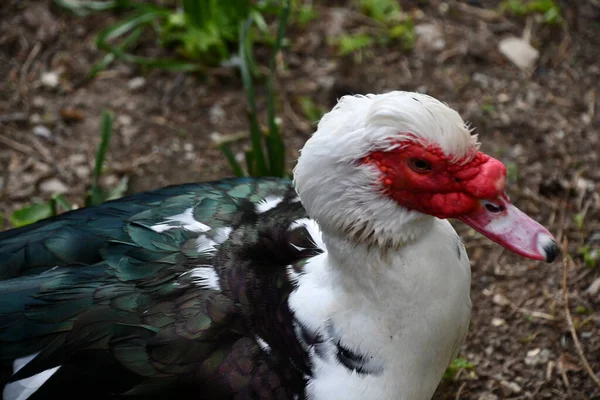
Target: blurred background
<point>103,98</point>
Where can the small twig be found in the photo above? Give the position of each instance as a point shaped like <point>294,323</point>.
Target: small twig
<point>43,151</point>
<point>460,389</point>
<point>14,117</point>
<point>17,146</point>
<point>451,53</point>
<point>586,365</point>
<point>479,13</point>
<point>527,29</point>
<point>562,220</point>
<point>27,64</point>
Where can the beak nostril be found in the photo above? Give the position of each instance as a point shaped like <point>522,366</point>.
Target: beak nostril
<point>493,208</point>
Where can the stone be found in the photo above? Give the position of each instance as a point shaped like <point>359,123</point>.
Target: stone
<point>430,37</point>
<point>519,52</point>
<point>50,79</point>
<point>42,131</point>
<point>217,114</point>
<point>54,186</point>
<point>594,288</point>
<point>487,396</point>
<point>136,83</point>
<point>124,120</point>
<point>500,299</point>
<point>537,357</point>
<point>82,171</point>
<point>510,388</point>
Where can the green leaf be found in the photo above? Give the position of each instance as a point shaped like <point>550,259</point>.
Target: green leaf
<point>275,145</point>
<point>96,195</point>
<point>233,163</point>
<point>351,43</point>
<point>311,111</point>
<point>255,131</point>
<point>82,8</point>
<point>116,192</point>
<point>135,24</point>
<point>306,13</point>
<point>30,214</point>
<point>457,365</point>
<point>381,10</point>
<point>129,41</point>
<point>59,201</point>
<point>579,220</point>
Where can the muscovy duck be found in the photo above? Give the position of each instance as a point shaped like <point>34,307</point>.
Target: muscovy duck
<point>348,284</point>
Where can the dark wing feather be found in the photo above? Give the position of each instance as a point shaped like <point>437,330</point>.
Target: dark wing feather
<point>101,294</point>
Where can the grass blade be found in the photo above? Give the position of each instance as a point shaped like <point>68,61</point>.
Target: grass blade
<point>250,166</point>
<point>136,23</point>
<point>275,145</point>
<point>122,27</point>
<point>30,214</point>
<point>258,156</point>
<point>59,201</point>
<point>96,195</point>
<point>82,8</point>
<point>233,163</point>
<point>110,57</point>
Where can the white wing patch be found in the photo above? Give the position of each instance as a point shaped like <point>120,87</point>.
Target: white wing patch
<point>21,390</point>
<point>221,234</point>
<point>206,277</point>
<point>313,230</point>
<point>184,220</point>
<point>268,203</point>
<point>205,245</point>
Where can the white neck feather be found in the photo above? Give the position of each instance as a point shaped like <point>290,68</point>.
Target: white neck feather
<point>406,311</point>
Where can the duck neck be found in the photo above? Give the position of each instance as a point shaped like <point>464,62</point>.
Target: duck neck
<point>366,265</point>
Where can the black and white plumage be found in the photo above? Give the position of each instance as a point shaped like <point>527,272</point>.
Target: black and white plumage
<point>237,289</point>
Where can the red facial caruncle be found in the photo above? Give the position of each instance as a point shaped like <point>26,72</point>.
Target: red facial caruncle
<point>425,179</point>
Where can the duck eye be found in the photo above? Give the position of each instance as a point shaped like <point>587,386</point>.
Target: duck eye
<point>419,165</point>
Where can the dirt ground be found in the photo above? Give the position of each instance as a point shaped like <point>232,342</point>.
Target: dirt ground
<point>543,123</point>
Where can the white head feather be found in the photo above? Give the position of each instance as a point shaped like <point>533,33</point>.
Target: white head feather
<point>345,196</point>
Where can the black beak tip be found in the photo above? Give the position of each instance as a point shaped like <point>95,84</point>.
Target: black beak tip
<point>551,251</point>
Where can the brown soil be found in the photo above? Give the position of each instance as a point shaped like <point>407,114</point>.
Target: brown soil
<point>543,123</point>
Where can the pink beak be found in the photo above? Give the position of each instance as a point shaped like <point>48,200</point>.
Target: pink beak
<point>510,227</point>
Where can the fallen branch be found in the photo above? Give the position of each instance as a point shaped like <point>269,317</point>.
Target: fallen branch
<point>566,261</point>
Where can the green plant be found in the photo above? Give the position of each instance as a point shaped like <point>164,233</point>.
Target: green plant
<point>459,364</point>
<point>512,171</point>
<point>96,195</point>
<point>311,111</point>
<point>202,32</point>
<point>83,8</point>
<point>590,255</point>
<point>36,211</point>
<point>488,108</point>
<point>579,220</point>
<point>549,10</point>
<point>304,13</point>
<point>266,157</point>
<point>385,11</point>
<point>349,44</point>
<point>391,24</point>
